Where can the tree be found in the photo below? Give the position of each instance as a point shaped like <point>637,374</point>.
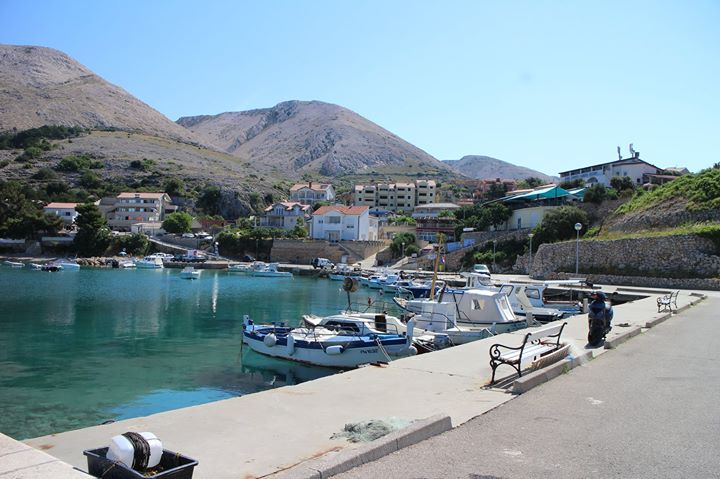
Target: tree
<point>134,244</point>
<point>175,187</point>
<point>496,190</point>
<point>572,184</point>
<point>531,182</point>
<point>210,198</point>
<point>595,194</point>
<point>93,236</point>
<point>622,183</point>
<point>398,240</point>
<point>177,223</point>
<point>559,225</point>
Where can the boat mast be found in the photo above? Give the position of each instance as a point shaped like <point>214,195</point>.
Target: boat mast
<point>435,269</point>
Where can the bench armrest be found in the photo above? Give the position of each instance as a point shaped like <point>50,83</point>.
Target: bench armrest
<point>495,351</point>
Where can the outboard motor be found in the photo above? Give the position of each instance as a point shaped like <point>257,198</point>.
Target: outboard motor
<point>600,315</point>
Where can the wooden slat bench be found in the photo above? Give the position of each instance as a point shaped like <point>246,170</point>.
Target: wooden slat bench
<point>535,344</point>
<point>666,302</point>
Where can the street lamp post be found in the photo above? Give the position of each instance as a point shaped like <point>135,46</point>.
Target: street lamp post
<point>494,245</point>
<point>530,260</point>
<point>578,227</point>
<point>402,250</point>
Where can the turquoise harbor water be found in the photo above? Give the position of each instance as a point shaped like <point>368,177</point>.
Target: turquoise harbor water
<point>81,348</point>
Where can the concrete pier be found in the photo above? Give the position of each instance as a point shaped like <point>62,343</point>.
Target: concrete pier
<point>288,430</point>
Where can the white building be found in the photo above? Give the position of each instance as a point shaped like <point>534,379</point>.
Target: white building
<point>634,168</point>
<point>433,210</point>
<point>342,223</point>
<point>66,211</point>
<point>131,208</point>
<point>284,215</point>
<point>396,197</point>
<point>310,193</point>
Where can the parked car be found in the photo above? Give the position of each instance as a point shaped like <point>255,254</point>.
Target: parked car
<point>482,269</point>
<point>321,263</point>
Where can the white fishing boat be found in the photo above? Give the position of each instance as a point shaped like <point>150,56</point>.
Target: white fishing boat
<point>190,273</point>
<point>476,314</point>
<point>126,264</point>
<point>14,264</point>
<point>150,262</point>
<point>342,271</point>
<point>67,265</point>
<point>271,271</point>
<point>519,298</point>
<point>338,341</point>
<point>35,266</point>
<point>247,268</point>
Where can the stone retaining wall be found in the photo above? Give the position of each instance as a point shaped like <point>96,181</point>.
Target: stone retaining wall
<point>303,251</point>
<point>668,257</point>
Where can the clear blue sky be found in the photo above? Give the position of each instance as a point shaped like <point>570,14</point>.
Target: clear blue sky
<point>550,85</point>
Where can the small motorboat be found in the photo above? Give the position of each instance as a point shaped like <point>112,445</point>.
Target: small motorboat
<point>14,264</point>
<point>271,271</point>
<point>190,273</point>
<point>67,265</point>
<point>150,262</point>
<point>338,341</point>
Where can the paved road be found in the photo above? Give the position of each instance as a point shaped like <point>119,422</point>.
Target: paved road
<point>650,409</point>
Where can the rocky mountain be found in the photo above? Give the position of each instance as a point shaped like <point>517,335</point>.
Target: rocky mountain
<point>297,137</point>
<point>42,86</point>
<point>482,167</point>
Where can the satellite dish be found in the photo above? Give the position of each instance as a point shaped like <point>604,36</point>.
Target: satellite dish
<point>350,285</point>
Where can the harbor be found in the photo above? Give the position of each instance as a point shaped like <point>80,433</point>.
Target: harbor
<point>277,430</point>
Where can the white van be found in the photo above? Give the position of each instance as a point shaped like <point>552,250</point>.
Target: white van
<point>322,263</point>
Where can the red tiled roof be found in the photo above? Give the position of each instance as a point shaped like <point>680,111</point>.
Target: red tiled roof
<point>346,210</point>
<point>314,187</point>
<point>61,205</point>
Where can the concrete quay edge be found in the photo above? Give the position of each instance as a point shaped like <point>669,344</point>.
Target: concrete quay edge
<point>347,459</point>
<point>18,460</point>
<point>525,383</point>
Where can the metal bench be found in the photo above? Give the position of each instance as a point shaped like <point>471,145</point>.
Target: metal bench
<point>666,302</point>
<point>535,344</point>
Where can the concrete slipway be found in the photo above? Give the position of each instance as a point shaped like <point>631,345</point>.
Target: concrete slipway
<point>287,431</point>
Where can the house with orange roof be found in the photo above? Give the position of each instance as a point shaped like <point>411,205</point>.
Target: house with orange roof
<point>66,211</point>
<point>343,223</point>
<point>311,193</point>
<point>285,215</point>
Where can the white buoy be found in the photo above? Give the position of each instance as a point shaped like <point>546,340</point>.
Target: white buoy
<point>270,340</point>
<point>122,450</point>
<point>333,350</point>
<point>290,344</point>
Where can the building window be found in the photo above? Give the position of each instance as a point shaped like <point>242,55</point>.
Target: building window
<point>333,220</point>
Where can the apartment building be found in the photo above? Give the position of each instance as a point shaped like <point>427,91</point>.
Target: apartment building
<point>131,208</point>
<point>310,193</point>
<point>396,197</point>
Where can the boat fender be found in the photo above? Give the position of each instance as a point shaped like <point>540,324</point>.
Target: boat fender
<point>333,350</point>
<point>138,451</point>
<point>290,344</point>
<point>270,340</point>
<point>411,351</point>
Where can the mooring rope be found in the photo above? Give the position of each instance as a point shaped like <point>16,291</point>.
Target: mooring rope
<point>141,455</point>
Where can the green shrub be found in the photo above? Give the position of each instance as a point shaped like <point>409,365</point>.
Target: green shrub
<point>30,153</point>
<point>45,174</point>
<point>74,163</point>
<point>142,165</point>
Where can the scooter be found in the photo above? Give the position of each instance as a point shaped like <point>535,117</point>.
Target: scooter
<point>600,316</point>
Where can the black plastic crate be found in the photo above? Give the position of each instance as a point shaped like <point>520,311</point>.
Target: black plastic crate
<point>173,465</point>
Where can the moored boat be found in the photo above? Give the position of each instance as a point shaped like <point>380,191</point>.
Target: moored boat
<point>14,264</point>
<point>270,270</point>
<point>150,262</point>
<point>338,341</point>
<point>190,273</point>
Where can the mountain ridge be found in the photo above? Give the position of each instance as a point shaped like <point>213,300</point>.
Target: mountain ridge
<point>485,167</point>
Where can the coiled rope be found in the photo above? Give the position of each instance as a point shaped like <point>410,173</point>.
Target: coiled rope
<point>141,448</point>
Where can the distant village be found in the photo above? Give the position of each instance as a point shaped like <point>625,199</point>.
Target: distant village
<point>370,212</point>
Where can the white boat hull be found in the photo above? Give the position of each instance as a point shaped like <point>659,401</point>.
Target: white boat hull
<point>338,351</point>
